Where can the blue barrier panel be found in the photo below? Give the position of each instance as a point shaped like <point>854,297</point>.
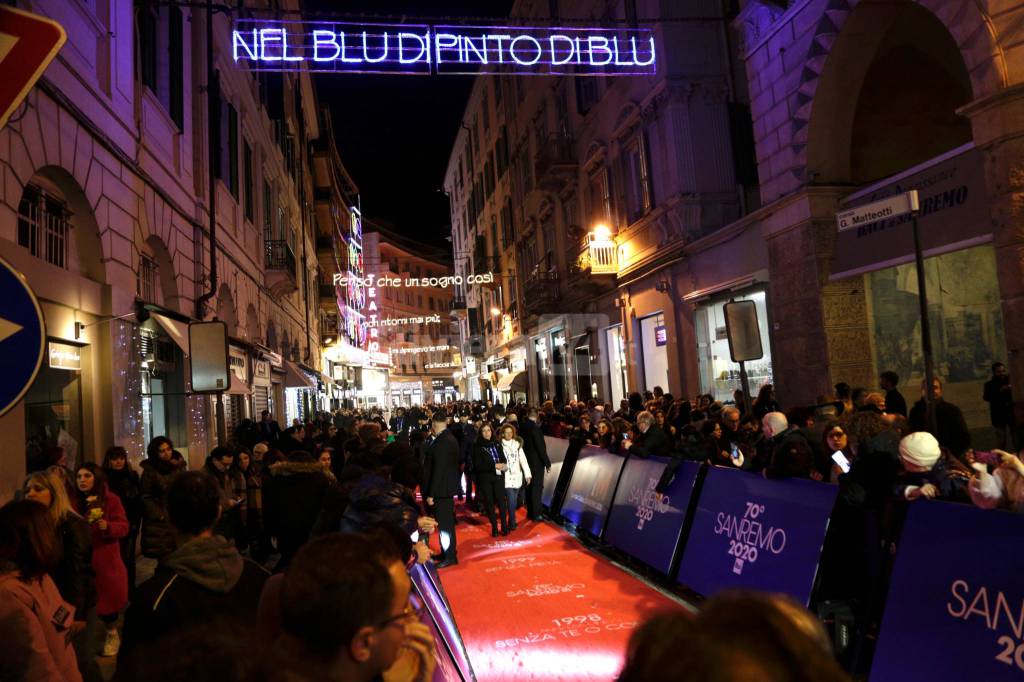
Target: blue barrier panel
<point>754,533</point>
<point>589,496</point>
<point>641,525</point>
<point>955,609</point>
<point>557,448</point>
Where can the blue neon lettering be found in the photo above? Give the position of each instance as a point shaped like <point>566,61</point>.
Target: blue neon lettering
<point>603,47</point>
<point>636,56</point>
<point>347,60</point>
<point>481,52</point>
<point>423,40</point>
<point>284,48</point>
<point>498,37</point>
<point>321,38</point>
<point>251,51</point>
<point>554,50</point>
<point>383,54</point>
<point>269,36</point>
<point>445,41</point>
<point>512,50</point>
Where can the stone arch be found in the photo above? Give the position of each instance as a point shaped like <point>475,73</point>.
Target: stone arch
<point>84,247</point>
<point>845,43</point>
<point>252,323</point>
<point>226,309</point>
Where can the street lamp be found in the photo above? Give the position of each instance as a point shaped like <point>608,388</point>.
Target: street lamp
<point>601,233</point>
<point>495,310</point>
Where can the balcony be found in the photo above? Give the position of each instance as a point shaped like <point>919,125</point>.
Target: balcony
<point>557,163</point>
<point>599,255</point>
<point>541,293</point>
<point>280,264</point>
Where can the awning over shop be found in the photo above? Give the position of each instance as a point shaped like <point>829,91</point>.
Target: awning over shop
<point>178,331</point>
<point>238,386</point>
<point>297,378</point>
<point>513,381</point>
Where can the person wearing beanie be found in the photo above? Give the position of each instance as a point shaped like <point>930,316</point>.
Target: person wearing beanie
<point>929,472</point>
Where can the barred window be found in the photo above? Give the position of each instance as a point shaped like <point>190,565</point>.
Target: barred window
<point>145,282</point>
<point>44,226</point>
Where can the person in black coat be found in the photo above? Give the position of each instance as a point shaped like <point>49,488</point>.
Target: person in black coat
<point>536,452</point>
<point>293,497</point>
<point>653,441</point>
<point>401,424</point>
<point>951,429</point>
<point>489,468</point>
<point>204,583</point>
<point>157,470</point>
<point>441,473</point>
<point>125,483</point>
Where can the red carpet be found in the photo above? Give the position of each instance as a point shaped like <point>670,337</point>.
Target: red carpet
<point>536,605</point>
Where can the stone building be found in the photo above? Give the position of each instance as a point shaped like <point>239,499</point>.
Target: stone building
<point>613,210</point>
<point>104,207</point>
<point>853,101</point>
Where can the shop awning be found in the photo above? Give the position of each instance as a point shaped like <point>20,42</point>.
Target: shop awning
<point>238,386</point>
<point>178,331</point>
<point>513,381</point>
<point>296,378</point>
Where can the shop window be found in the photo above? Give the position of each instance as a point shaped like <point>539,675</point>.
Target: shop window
<point>719,375</point>
<point>617,368</point>
<point>53,415</point>
<point>654,342</point>
<point>44,226</point>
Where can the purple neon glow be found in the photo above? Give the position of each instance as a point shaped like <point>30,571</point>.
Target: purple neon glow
<point>341,47</point>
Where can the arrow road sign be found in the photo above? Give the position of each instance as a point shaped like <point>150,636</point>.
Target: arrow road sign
<point>22,336</point>
<point>28,42</point>
<point>890,207</point>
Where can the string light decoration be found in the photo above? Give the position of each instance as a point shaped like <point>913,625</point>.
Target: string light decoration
<point>197,420</point>
<point>128,420</point>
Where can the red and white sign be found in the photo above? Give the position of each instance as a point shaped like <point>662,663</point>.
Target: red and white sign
<point>28,43</point>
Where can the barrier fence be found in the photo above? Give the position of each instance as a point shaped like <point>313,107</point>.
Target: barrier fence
<point>955,606</point>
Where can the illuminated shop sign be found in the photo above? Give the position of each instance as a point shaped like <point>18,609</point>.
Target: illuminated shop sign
<point>338,47</point>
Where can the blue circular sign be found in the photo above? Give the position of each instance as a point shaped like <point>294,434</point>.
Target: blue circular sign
<point>22,336</point>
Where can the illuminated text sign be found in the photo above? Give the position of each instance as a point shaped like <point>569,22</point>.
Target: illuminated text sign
<point>338,47</point>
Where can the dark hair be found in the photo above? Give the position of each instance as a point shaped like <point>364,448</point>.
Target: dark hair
<point>336,585</point>
<point>193,502</point>
<point>842,390</point>
<point>996,365</point>
<point>28,538</point>
<point>116,452</point>
<point>891,377</point>
<point>221,451</point>
<point>99,486</point>
<point>440,416</point>
<point>794,459</point>
<point>153,449</point>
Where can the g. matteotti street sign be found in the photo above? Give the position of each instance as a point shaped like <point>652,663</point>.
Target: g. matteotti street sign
<point>338,47</point>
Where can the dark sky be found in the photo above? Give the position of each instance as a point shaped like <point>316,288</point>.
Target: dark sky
<point>395,132</point>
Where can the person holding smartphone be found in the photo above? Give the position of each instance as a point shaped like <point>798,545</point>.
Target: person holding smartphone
<point>837,447</point>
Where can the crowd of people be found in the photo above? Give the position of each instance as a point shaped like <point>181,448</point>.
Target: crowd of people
<point>286,554</point>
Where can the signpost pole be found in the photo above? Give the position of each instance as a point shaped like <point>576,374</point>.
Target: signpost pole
<point>926,334</point>
<point>745,385</point>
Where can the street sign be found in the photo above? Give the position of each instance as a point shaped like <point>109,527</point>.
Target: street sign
<point>22,336</point>
<point>28,42</point>
<point>884,209</point>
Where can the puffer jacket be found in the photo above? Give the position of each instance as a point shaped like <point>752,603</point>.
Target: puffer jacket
<point>157,537</point>
<point>293,497</point>
<point>518,468</point>
<point>373,501</point>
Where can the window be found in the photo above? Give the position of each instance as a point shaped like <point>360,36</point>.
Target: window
<point>586,93</point>
<point>636,177</point>
<point>226,163</point>
<point>268,212</point>
<point>600,197</point>
<point>161,57</point>
<point>507,230</point>
<point>43,226</point>
<point>145,282</point>
<point>250,187</point>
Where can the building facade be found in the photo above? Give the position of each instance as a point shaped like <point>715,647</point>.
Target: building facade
<point>104,206</point>
<point>602,205</point>
<point>409,313</point>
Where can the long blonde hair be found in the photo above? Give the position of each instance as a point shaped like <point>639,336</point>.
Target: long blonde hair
<point>60,503</point>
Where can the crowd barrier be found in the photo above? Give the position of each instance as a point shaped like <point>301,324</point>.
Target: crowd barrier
<point>451,656</point>
<point>557,450</point>
<point>955,607</point>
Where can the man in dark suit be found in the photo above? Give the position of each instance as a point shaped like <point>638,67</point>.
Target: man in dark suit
<point>442,483</point>
<point>269,430</point>
<point>537,457</point>
<point>400,425</point>
<point>653,441</point>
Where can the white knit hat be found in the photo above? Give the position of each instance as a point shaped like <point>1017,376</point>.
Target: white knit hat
<point>920,449</point>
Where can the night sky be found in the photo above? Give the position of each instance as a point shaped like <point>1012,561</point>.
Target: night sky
<point>395,133</point>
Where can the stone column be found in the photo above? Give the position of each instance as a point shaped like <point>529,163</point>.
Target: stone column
<point>998,124</point>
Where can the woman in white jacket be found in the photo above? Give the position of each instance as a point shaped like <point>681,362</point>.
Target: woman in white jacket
<point>518,469</point>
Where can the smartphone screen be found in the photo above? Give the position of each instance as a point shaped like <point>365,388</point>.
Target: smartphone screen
<point>839,458</point>
<point>735,452</point>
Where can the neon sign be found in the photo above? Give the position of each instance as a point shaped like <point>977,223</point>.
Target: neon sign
<point>339,47</point>
<point>383,281</point>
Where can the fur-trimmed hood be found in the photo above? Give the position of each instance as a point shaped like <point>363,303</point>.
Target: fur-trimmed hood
<point>298,468</point>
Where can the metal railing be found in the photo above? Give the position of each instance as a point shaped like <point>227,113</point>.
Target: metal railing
<point>278,255</point>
